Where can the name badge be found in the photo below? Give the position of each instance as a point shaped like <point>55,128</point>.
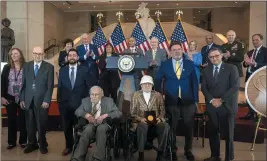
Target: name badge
<point>16,89</point>
<point>33,86</point>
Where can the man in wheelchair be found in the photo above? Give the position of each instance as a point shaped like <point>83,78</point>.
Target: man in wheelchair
<point>96,109</point>
<point>147,110</point>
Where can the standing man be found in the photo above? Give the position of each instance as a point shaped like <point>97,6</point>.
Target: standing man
<point>36,94</point>
<point>255,59</point>
<point>88,55</point>
<point>73,84</point>
<point>155,57</point>
<point>220,84</point>
<point>205,50</point>
<point>181,95</point>
<point>233,51</point>
<point>133,49</point>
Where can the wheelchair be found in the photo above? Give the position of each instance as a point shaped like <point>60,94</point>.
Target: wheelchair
<point>112,137</point>
<point>130,142</point>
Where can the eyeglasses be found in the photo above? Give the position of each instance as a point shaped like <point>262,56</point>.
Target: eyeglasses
<point>94,94</point>
<point>215,56</point>
<point>39,54</point>
<point>175,50</point>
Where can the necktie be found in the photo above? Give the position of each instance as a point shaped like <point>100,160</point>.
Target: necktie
<point>86,48</point>
<point>154,54</point>
<point>95,112</point>
<point>178,74</point>
<point>72,77</point>
<point>216,72</point>
<point>36,68</point>
<point>254,54</point>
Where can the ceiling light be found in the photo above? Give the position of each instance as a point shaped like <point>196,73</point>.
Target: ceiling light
<point>69,7</point>
<point>194,17</point>
<point>64,3</point>
<point>157,4</point>
<point>94,6</point>
<point>198,11</point>
<point>177,4</point>
<point>236,2</point>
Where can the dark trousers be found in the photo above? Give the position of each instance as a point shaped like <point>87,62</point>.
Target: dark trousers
<point>12,118</point>
<point>187,112</point>
<point>69,120</point>
<point>159,130</point>
<point>221,122</point>
<point>36,119</point>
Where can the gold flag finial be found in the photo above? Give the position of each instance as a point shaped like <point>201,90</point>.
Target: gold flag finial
<point>119,14</point>
<point>158,13</point>
<point>179,13</point>
<point>99,16</point>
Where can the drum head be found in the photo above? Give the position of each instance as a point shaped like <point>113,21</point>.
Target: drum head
<point>255,91</point>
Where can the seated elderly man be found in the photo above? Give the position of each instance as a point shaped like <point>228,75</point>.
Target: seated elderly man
<point>95,109</point>
<point>147,110</point>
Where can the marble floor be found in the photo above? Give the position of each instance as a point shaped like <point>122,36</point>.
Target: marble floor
<point>56,145</point>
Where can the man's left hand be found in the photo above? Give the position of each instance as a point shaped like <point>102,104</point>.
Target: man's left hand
<point>158,120</point>
<point>45,105</point>
<point>218,102</point>
<point>100,119</point>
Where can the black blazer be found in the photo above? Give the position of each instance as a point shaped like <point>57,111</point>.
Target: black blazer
<point>205,52</point>
<point>68,97</point>
<point>261,60</point>
<point>61,59</point>
<point>226,87</point>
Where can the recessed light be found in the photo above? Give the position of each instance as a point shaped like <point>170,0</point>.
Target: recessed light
<point>64,3</point>
<point>198,11</point>
<point>236,2</point>
<point>94,6</point>
<point>177,4</point>
<point>69,7</point>
<point>194,17</point>
<point>157,4</point>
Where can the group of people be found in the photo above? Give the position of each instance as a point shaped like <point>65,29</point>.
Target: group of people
<point>169,86</point>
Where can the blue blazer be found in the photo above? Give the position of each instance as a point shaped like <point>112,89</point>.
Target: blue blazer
<point>188,82</point>
<point>197,60</point>
<point>68,97</point>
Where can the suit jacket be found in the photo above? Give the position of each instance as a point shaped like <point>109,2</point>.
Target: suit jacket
<point>44,84</point>
<point>139,106</point>
<point>107,107</point>
<point>68,97</point>
<point>161,55</point>
<point>89,62</point>
<point>261,60</point>
<point>205,52</point>
<point>61,58</point>
<point>226,87</point>
<point>138,51</point>
<point>188,82</point>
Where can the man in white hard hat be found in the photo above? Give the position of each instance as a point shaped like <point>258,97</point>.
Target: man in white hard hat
<point>147,109</point>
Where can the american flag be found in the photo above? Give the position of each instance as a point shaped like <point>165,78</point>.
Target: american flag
<point>179,35</point>
<point>117,39</point>
<point>99,40</point>
<point>159,34</point>
<point>140,38</point>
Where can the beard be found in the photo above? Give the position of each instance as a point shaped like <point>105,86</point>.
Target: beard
<point>72,61</point>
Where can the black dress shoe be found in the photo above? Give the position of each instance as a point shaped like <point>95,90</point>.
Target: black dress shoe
<point>23,146</point>
<point>189,156</point>
<point>31,148</point>
<point>174,156</point>
<point>159,156</point>
<point>43,150</point>
<point>213,159</point>
<point>141,156</point>
<point>66,151</point>
<point>9,147</point>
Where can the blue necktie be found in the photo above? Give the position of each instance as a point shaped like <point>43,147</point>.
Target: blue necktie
<point>72,77</point>
<point>36,68</point>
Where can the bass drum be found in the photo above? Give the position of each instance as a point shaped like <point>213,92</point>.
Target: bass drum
<point>255,91</point>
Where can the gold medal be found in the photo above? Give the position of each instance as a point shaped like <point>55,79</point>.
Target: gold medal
<point>150,118</point>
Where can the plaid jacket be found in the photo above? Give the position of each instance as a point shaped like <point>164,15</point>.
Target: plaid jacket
<point>138,105</point>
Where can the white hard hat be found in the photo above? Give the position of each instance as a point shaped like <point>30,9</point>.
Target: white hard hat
<point>147,79</point>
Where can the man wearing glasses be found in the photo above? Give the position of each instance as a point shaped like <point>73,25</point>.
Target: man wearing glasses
<point>181,95</point>
<point>220,84</point>
<point>36,94</point>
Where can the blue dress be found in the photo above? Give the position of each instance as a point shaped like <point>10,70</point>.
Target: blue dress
<point>197,59</point>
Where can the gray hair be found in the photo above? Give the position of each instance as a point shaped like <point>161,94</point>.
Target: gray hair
<point>97,87</point>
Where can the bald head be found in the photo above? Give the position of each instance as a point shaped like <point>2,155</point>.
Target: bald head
<point>209,39</point>
<point>38,54</point>
<point>85,38</point>
<point>96,93</point>
<point>231,35</point>
<point>154,42</point>
<point>132,42</point>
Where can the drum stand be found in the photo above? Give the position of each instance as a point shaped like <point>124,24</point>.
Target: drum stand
<point>256,131</point>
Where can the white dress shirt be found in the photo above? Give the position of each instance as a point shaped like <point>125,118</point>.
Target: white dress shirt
<point>147,96</point>
<point>98,108</point>
<point>219,67</point>
<point>75,71</point>
<point>39,65</point>
<point>133,49</point>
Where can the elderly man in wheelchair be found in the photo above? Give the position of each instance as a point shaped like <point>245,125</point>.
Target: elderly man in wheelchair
<point>96,109</point>
<point>147,112</point>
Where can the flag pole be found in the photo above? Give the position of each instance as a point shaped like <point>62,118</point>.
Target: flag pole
<point>158,13</point>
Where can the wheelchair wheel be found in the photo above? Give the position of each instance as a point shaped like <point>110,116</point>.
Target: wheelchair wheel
<point>116,144</point>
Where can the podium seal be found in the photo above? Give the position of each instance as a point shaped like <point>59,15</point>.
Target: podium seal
<point>126,63</point>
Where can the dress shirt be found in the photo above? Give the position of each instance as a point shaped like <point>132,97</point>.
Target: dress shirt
<point>87,46</point>
<point>133,49</point>
<point>209,46</point>
<point>39,65</point>
<point>219,67</point>
<point>174,64</point>
<point>256,53</point>
<point>147,96</point>
<point>98,108</point>
<point>75,70</point>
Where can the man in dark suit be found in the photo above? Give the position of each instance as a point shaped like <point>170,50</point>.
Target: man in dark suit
<point>96,109</point>
<point>220,84</point>
<point>88,55</point>
<point>73,84</point>
<point>155,57</point>
<point>133,49</point>
<point>181,94</point>
<point>255,59</point>
<point>233,51</point>
<point>36,93</point>
<point>205,50</point>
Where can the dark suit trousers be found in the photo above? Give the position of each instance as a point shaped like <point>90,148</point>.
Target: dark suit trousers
<point>12,118</point>
<point>36,118</point>
<point>187,112</point>
<point>69,120</point>
<point>221,122</point>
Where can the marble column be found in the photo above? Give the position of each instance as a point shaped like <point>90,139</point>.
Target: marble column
<point>3,9</point>
<point>27,21</point>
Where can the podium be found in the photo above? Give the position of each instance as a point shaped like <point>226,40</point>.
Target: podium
<point>130,66</point>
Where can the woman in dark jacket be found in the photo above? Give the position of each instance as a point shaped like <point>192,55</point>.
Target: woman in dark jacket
<point>109,80</point>
<point>63,59</point>
<point>10,92</point>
